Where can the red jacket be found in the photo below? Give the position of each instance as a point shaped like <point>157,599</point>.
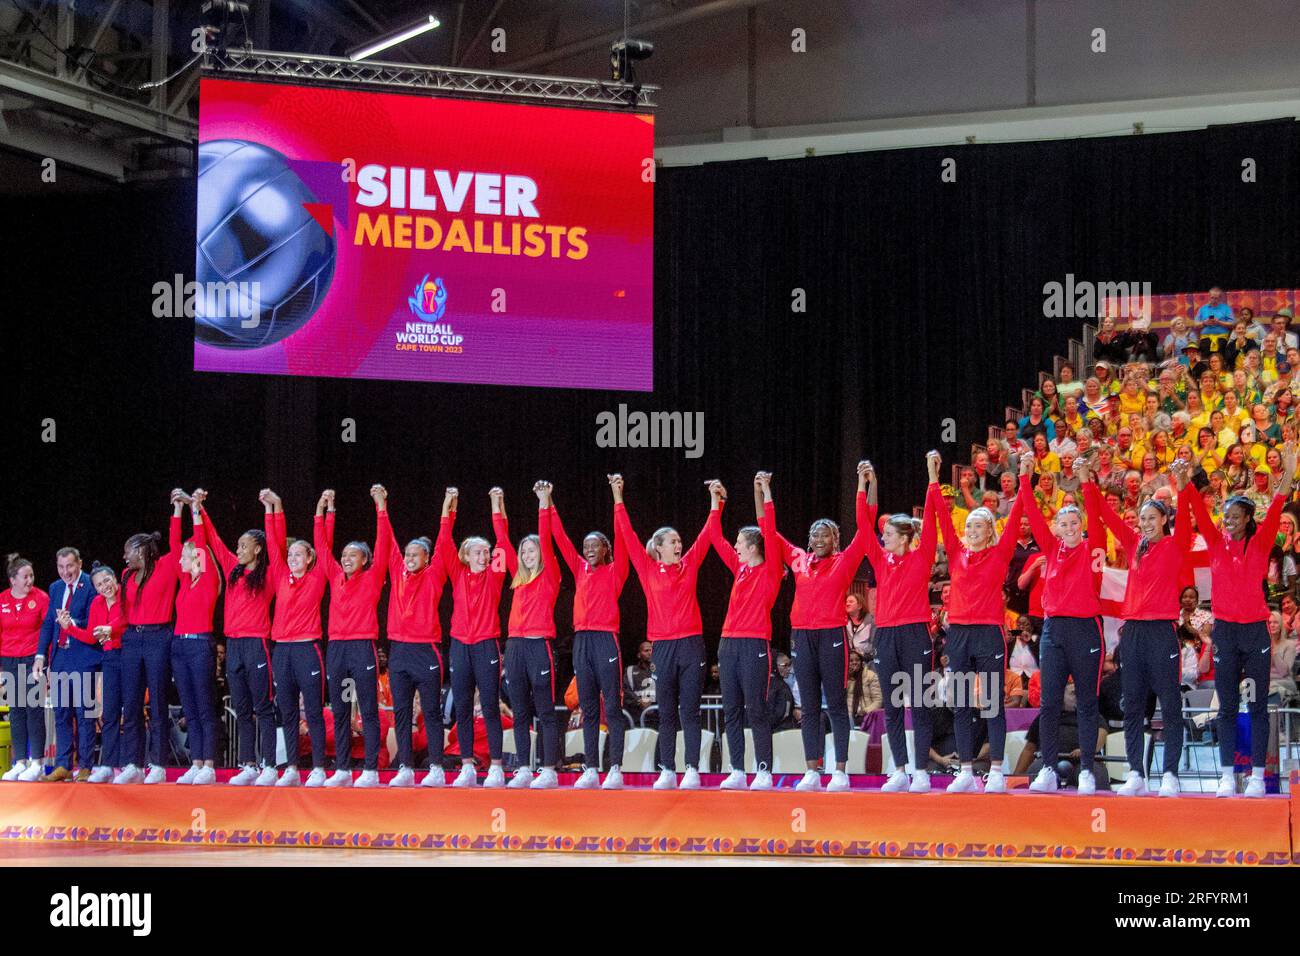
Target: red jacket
<point>977,576</point>
<point>476,598</point>
<point>101,615</point>
<point>297,600</point>
<point>672,609</point>
<point>903,581</point>
<point>413,598</point>
<point>596,590</point>
<point>532,605</point>
<point>354,601</point>
<point>754,590</point>
<point>822,584</point>
<point>153,603</point>
<point>197,599</point>
<point>1155,581</point>
<point>20,621</point>
<point>1071,576</point>
<point>247,613</point>
<point>1237,568</point>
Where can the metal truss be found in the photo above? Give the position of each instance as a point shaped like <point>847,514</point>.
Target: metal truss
<point>476,84</point>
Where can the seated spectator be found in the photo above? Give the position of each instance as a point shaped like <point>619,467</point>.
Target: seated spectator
<point>1176,340</point>
<point>1213,320</point>
<point>864,693</point>
<point>859,632</point>
<point>1110,345</point>
<point>1068,741</point>
<point>481,755</point>
<point>1066,383</point>
<point>1195,624</point>
<point>1007,495</point>
<point>1238,344</point>
<point>1036,422</point>
<point>782,702</point>
<point>1013,691</point>
<point>639,681</point>
<point>1022,652</point>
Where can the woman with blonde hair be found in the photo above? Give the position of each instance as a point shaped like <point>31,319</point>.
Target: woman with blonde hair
<point>530,657</point>
<point>674,629</point>
<point>477,577</point>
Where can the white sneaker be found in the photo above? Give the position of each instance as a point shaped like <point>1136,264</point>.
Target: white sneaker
<point>996,782</point>
<point>205,777</point>
<point>291,777</point>
<point>1046,781</point>
<point>130,774</point>
<point>496,777</point>
<point>468,776</point>
<point>546,780</point>
<point>245,777</point>
<point>316,778</point>
<point>839,782</point>
<point>1227,785</point>
<point>1087,783</point>
<point>1255,786</point>
<point>920,782</point>
<point>590,780</point>
<point>403,778</point>
<point>14,772</point>
<point>523,778</point>
<point>101,775</point>
<point>1134,785</point>
<point>340,778</point>
<point>897,782</point>
<point>156,774</point>
<point>613,779</point>
<point>690,779</point>
<point>266,778</point>
<point>735,781</point>
<point>34,771</point>
<point>964,782</point>
<point>189,775</point>
<point>1169,785</point>
<point>811,781</point>
<point>667,780</point>
<point>762,781</point>
<point>436,777</point>
<point>369,778</point>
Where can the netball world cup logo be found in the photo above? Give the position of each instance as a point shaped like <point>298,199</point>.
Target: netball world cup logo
<point>429,300</point>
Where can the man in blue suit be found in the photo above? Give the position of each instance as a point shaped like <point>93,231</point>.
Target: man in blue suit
<point>73,665</point>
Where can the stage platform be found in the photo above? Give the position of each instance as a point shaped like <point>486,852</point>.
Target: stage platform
<point>1018,827</point>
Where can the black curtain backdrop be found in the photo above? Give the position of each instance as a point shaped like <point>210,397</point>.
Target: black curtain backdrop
<point>923,303</point>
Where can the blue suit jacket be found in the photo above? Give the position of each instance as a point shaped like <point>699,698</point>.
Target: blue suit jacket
<point>78,607</point>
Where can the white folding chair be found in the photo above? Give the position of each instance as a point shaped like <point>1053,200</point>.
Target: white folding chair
<point>706,750</point>
<point>640,747</point>
<point>787,752</point>
<point>750,765</point>
<point>857,756</point>
<point>887,765</point>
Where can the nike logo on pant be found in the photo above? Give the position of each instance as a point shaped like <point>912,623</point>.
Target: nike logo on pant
<point>840,644</point>
<point>613,659</point>
<point>494,660</point>
<point>370,667</point>
<point>315,673</point>
<point>998,657</point>
<point>545,672</point>
<point>1094,650</point>
<point>260,666</point>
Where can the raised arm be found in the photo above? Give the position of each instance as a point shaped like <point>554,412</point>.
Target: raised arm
<point>864,536</point>
<point>1037,524</point>
<point>546,530</point>
<point>943,517</point>
<point>225,557</point>
<point>719,541</point>
<point>563,544</point>
<point>386,554</point>
<point>1010,531</point>
<point>445,548</point>
<point>712,526</point>
<point>623,526</point>
<point>1204,523</point>
<point>1183,514</point>
<point>1127,539</point>
<point>175,538</point>
<point>501,529</point>
<point>323,534</point>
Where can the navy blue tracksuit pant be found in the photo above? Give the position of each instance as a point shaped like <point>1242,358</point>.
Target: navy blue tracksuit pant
<point>477,666</point>
<point>146,664</point>
<point>298,667</point>
<point>194,665</point>
<point>26,724</point>
<point>110,736</point>
<point>904,659</point>
<point>745,669</point>
<point>353,671</point>
<point>1070,647</point>
<point>1150,659</point>
<point>598,666</point>
<point>820,657</point>
<point>977,652</point>
<point>1242,651</point>
<point>530,689</point>
<point>679,680</point>
<point>248,674</point>
<point>74,678</point>
<point>416,667</point>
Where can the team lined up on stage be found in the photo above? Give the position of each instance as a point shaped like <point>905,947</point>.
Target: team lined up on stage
<point>153,624</point>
